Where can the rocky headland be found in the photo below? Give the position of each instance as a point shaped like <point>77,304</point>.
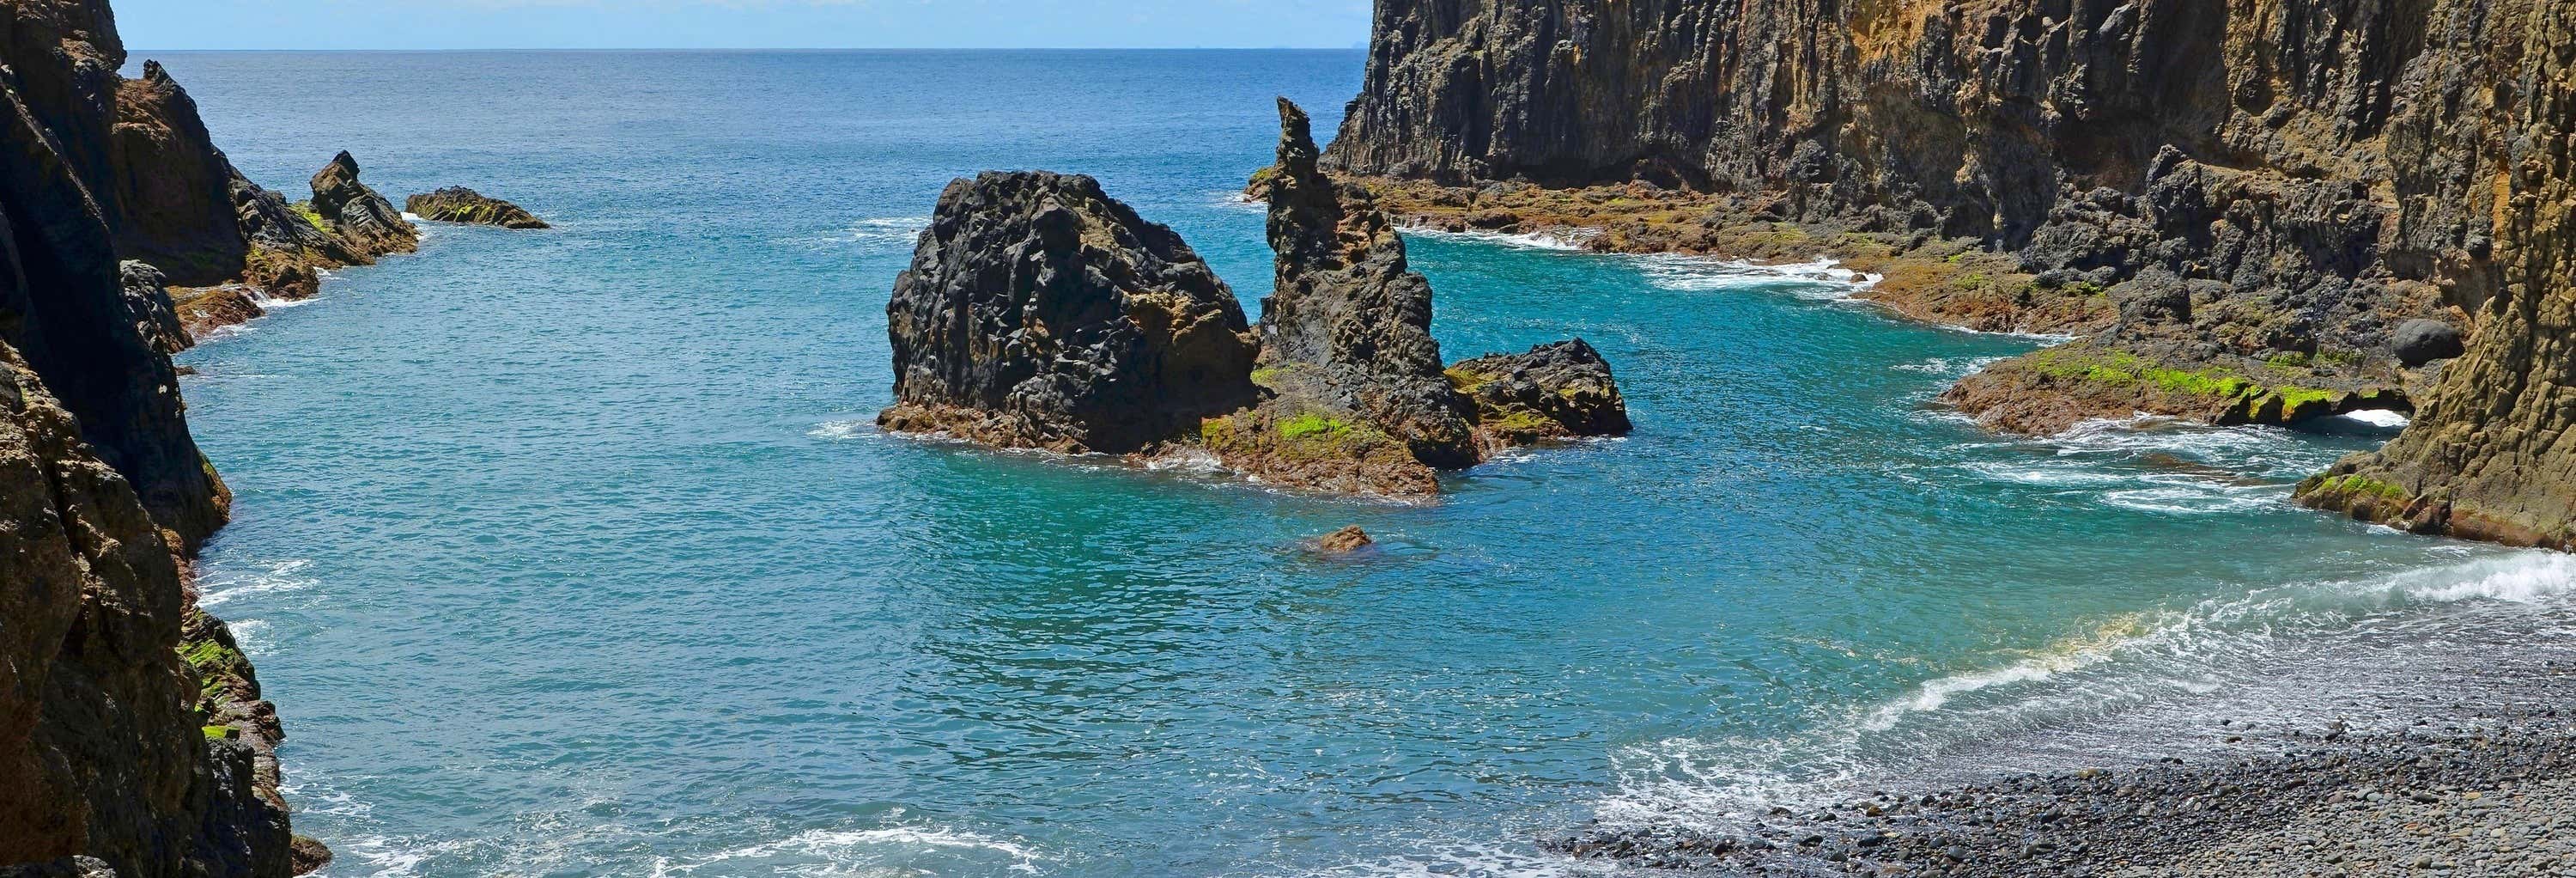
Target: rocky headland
<point>2255,213</point>
<point>136,735</point>
<point>1041,313</point>
<point>457,204</point>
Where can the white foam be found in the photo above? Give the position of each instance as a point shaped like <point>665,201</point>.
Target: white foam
<point>2382,418</point>
<point>1562,240</point>
<point>224,584</point>
<point>1819,280</point>
<point>857,428</point>
<point>851,853</point>
<point>2173,657</point>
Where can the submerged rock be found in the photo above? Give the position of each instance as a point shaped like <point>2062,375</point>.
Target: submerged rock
<point>364,220</point>
<point>457,204</point>
<point>1344,541</point>
<point>1039,312</point>
<point>1554,391</point>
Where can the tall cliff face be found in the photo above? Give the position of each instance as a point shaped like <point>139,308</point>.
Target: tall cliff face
<point>2294,205</point>
<point>115,742</point>
<point>2484,459</point>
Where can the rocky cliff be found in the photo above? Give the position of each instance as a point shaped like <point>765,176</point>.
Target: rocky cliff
<point>131,732</point>
<point>1041,313</point>
<point>2484,458</point>
<point>2257,212</point>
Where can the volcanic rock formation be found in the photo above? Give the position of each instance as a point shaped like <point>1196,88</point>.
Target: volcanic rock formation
<point>1039,312</point>
<point>131,730</point>
<point>1554,391</point>
<point>457,204</point>
<point>358,215</point>
<point>2257,212</point>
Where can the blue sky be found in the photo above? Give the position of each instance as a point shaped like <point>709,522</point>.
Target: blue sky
<point>480,24</point>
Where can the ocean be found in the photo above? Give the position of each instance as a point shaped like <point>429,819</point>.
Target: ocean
<point>576,552</point>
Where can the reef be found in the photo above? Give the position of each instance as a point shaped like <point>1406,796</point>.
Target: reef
<point>457,204</point>
<point>1041,313</point>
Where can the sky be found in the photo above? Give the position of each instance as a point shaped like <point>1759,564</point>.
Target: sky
<point>765,24</point>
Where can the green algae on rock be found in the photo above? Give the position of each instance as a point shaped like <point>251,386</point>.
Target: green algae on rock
<point>457,204</point>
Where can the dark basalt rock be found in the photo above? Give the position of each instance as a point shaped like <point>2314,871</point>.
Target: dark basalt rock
<point>363,219</point>
<point>104,750</point>
<point>1041,313</point>
<point>1554,391</point>
<point>457,204</point>
<point>2484,459</point>
<point>147,297</point>
<point>2418,342</point>
<point>1349,319</point>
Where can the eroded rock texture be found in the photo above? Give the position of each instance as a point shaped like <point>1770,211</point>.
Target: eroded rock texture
<point>1348,325</point>
<point>457,204</point>
<point>2486,458</point>
<point>130,730</point>
<point>364,219</point>
<point>1553,391</point>
<point>1039,312</point>
<point>2290,170</point>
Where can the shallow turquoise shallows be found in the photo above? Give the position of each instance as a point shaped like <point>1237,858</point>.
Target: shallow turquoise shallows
<point>576,553</point>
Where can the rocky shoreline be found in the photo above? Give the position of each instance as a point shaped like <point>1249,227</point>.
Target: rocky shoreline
<point>1956,282</point>
<point>2431,780</point>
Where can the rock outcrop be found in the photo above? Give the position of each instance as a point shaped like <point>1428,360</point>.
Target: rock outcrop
<point>1347,328</point>
<point>1039,312</point>
<point>2485,459</point>
<point>1553,392</point>
<point>457,204</point>
<point>365,220</point>
<point>118,749</point>
<point>172,187</point>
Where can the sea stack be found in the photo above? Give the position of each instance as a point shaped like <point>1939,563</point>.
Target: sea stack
<point>457,204</point>
<point>364,219</point>
<point>1041,313</point>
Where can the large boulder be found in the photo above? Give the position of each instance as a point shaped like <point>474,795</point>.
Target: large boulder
<point>1552,392</point>
<point>1041,313</point>
<point>363,219</point>
<point>457,204</point>
<point>2417,342</point>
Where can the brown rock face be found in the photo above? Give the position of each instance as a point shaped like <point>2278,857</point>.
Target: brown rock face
<point>173,188</point>
<point>2483,459</point>
<point>1039,312</point>
<point>1344,541</point>
<point>457,204</point>
<point>104,747</point>
<point>363,219</point>
<point>103,753</point>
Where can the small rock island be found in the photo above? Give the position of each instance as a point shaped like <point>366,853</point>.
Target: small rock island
<point>1041,313</point>
<point>457,204</point>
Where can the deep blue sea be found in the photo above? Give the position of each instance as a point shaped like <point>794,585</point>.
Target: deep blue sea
<point>576,553</point>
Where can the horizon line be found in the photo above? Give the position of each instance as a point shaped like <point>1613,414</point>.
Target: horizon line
<point>130,50</point>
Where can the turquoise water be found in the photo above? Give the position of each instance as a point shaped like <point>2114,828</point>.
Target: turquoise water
<point>574,552</point>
